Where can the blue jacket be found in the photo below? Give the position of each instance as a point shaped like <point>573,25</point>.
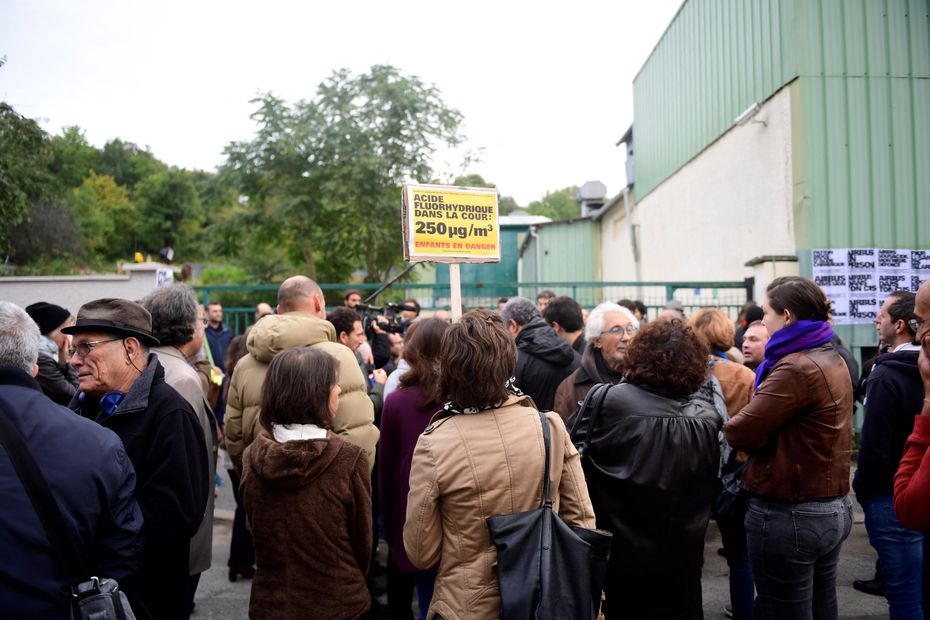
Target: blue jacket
<point>93,483</point>
<point>219,340</point>
<point>894,395</point>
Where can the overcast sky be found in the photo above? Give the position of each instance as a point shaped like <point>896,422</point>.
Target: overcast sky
<point>546,89</point>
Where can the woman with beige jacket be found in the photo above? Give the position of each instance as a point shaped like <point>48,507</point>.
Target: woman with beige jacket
<point>481,456</point>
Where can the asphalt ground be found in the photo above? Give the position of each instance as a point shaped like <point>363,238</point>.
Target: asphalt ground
<point>218,598</point>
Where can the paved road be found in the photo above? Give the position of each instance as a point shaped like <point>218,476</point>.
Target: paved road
<point>220,599</point>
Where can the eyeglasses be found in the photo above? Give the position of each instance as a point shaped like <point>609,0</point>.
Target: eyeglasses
<point>84,348</point>
<point>915,324</point>
<point>619,330</point>
<point>203,320</point>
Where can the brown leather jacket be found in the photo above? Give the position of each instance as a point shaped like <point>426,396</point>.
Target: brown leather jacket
<point>798,428</point>
<point>467,468</point>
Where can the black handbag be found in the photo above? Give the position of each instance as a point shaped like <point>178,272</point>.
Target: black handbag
<point>545,567</point>
<point>92,598</point>
<point>730,502</point>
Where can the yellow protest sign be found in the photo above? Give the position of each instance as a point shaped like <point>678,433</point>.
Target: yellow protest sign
<point>449,224</point>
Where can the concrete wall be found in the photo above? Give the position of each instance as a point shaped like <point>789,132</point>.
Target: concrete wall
<point>72,292</point>
<point>731,203</point>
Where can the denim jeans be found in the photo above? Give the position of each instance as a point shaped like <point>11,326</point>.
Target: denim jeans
<point>742,593</point>
<point>794,550</point>
<point>901,554</point>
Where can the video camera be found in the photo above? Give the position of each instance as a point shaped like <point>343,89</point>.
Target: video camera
<point>394,323</point>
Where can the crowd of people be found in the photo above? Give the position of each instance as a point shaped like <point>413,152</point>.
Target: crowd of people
<point>341,428</point>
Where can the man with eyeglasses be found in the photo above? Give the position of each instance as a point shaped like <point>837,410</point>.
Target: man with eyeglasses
<point>609,330</point>
<point>893,397</point>
<point>122,387</point>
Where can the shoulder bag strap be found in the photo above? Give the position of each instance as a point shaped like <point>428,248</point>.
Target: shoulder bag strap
<point>42,499</point>
<point>594,399</point>
<point>547,491</point>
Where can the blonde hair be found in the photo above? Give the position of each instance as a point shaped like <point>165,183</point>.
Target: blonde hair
<point>713,328</point>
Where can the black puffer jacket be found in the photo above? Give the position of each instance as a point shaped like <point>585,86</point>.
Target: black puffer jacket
<point>651,467</point>
<point>543,360</point>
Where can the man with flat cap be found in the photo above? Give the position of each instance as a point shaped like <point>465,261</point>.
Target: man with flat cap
<point>122,387</point>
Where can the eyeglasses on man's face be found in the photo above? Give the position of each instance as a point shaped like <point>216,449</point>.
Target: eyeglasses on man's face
<point>619,330</point>
<point>82,349</point>
<point>915,324</point>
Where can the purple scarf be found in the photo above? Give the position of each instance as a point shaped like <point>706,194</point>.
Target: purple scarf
<point>798,336</point>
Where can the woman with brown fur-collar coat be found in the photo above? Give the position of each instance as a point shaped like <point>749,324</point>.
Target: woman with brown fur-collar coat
<point>307,495</point>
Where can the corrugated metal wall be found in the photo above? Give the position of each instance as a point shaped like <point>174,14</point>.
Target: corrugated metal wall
<point>862,147</point>
<point>716,59</point>
<point>568,252</point>
<point>862,176</point>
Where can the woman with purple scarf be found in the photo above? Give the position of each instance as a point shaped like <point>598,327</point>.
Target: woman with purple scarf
<point>797,431</point>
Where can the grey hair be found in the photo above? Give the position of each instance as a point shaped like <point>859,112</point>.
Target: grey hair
<point>174,312</point>
<point>19,338</point>
<point>595,324</point>
<point>520,310</point>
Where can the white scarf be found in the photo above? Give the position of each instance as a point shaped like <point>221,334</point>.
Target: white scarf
<point>284,433</point>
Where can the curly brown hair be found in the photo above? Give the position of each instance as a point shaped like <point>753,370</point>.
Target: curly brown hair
<point>478,357</point>
<point>669,357</point>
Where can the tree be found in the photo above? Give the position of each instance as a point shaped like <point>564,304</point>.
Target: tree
<point>169,207</point>
<point>322,178</point>
<point>558,205</point>
<point>127,163</point>
<point>72,159</point>
<point>505,204</point>
<point>24,178</point>
<point>107,218</point>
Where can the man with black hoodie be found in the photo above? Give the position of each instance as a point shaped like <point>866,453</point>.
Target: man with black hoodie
<point>543,359</point>
<point>894,395</point>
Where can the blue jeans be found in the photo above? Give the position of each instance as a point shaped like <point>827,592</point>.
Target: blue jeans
<point>742,594</point>
<point>794,550</point>
<point>901,554</point>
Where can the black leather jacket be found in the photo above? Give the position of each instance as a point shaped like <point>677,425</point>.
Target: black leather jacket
<point>651,467</point>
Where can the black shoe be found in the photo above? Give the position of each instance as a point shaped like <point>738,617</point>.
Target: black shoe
<point>245,571</point>
<point>875,587</point>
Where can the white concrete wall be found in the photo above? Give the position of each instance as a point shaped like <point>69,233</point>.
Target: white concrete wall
<point>72,292</point>
<point>730,204</point>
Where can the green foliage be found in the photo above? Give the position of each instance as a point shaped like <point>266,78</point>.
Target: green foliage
<point>169,207</point>
<point>24,176</point>
<point>127,163</point>
<point>558,205</point>
<point>323,177</point>
<point>51,236</point>
<point>107,218</point>
<point>72,159</point>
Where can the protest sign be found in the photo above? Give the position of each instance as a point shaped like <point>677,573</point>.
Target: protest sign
<point>857,280</point>
<point>447,224</point>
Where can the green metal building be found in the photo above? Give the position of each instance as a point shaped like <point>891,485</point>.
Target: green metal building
<point>858,76</point>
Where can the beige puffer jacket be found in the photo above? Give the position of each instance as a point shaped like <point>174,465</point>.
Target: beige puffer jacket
<point>355,417</point>
<point>467,468</point>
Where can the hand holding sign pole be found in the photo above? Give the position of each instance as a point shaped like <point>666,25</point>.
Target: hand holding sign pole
<point>447,224</point>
